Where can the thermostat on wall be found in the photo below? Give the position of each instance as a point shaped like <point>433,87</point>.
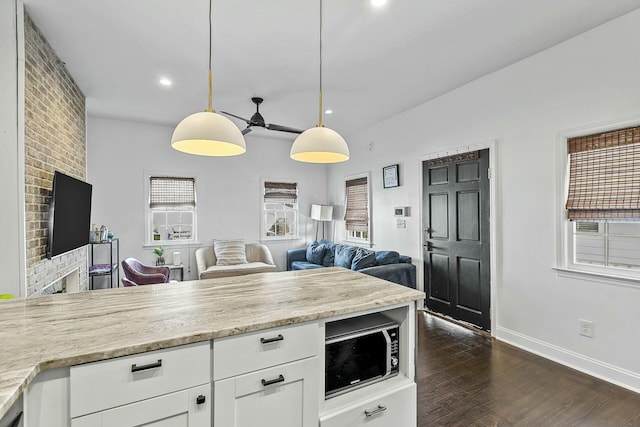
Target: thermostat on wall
<point>401,211</point>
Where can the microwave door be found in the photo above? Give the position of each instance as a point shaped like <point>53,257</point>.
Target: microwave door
<point>356,360</point>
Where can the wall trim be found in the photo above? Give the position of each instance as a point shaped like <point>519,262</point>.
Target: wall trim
<point>593,367</point>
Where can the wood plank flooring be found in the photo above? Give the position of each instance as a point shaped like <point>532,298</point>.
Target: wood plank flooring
<point>467,379</point>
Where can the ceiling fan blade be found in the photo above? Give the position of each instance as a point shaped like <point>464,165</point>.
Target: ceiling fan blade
<point>246,130</point>
<point>237,117</point>
<point>283,128</point>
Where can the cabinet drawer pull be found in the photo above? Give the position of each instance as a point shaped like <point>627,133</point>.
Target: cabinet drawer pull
<point>275,381</point>
<point>270,340</point>
<point>136,368</point>
<point>379,409</point>
<point>201,399</point>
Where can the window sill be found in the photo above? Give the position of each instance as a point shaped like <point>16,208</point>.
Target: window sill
<point>279,239</point>
<point>171,243</point>
<point>604,278</point>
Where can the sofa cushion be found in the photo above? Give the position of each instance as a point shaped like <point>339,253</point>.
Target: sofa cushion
<point>236,270</point>
<point>329,254</point>
<point>315,252</point>
<point>304,265</point>
<point>363,258</point>
<point>229,252</point>
<point>387,257</point>
<point>344,256</point>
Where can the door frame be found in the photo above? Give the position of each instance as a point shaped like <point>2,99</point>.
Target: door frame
<point>493,250</point>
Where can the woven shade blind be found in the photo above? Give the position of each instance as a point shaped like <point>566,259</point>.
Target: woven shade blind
<point>169,191</point>
<point>356,214</point>
<point>282,192</point>
<point>604,175</point>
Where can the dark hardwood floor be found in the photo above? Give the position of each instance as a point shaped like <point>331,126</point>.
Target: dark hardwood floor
<point>467,379</point>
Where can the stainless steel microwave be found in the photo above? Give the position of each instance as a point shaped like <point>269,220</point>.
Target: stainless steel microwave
<point>360,351</point>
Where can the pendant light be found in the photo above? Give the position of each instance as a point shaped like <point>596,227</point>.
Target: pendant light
<point>208,133</point>
<point>320,144</point>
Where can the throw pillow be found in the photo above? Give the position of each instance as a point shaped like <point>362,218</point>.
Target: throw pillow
<point>364,258</point>
<point>229,252</point>
<point>344,256</point>
<point>329,254</point>
<point>315,252</point>
<point>387,257</point>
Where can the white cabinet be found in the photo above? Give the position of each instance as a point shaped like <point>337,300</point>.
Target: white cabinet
<point>186,408</point>
<point>283,396</point>
<point>244,353</point>
<point>162,388</point>
<point>269,378</point>
<point>396,407</point>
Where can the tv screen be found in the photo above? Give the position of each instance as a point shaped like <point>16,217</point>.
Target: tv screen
<point>69,214</point>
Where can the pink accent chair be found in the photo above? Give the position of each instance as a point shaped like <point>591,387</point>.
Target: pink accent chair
<point>136,273</point>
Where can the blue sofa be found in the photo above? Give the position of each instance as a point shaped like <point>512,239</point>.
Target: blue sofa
<point>387,265</point>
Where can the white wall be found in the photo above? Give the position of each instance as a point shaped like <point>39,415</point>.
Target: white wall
<point>119,153</point>
<point>11,181</point>
<point>591,79</point>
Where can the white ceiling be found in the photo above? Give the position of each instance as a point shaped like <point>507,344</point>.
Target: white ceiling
<point>377,62</point>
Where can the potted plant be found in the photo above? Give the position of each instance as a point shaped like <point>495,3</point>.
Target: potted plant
<point>159,252</point>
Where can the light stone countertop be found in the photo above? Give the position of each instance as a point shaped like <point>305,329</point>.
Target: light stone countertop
<point>68,329</point>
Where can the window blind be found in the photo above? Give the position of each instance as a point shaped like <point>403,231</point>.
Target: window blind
<point>604,175</point>
<point>356,215</point>
<point>282,192</point>
<point>169,191</point>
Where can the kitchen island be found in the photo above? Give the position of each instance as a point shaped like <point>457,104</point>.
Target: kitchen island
<point>63,331</point>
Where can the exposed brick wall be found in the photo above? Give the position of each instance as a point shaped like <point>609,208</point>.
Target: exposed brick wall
<point>55,139</point>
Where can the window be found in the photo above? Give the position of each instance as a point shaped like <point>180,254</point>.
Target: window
<point>603,202</point>
<point>172,209</point>
<point>356,217</point>
<point>279,210</point>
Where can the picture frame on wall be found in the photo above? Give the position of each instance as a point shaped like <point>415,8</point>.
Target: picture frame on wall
<point>390,176</point>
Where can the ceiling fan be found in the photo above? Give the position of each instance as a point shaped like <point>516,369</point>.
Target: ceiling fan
<point>258,120</point>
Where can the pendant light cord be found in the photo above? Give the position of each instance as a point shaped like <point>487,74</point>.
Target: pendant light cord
<point>320,98</point>
<point>210,102</point>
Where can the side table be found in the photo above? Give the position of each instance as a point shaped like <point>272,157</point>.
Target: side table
<point>179,268</point>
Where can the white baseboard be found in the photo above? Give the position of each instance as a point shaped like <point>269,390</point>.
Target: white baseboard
<point>604,371</point>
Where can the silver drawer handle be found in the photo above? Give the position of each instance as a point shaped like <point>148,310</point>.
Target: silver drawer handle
<point>379,409</point>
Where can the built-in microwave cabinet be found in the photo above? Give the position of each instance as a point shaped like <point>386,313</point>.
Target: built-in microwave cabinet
<point>391,402</point>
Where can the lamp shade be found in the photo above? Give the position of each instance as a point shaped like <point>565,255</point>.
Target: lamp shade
<point>320,145</point>
<point>322,212</point>
<point>208,134</point>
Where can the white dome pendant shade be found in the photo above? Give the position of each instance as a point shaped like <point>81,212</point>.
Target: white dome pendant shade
<point>208,133</point>
<point>320,144</point>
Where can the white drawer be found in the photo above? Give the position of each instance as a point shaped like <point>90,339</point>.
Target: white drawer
<point>101,385</point>
<point>395,408</point>
<point>245,353</point>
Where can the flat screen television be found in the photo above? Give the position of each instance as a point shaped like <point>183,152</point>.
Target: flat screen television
<point>69,214</point>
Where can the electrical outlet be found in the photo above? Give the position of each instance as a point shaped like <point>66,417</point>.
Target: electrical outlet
<point>401,223</point>
<point>586,328</point>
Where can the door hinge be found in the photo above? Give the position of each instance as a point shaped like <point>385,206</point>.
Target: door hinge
<point>489,173</point>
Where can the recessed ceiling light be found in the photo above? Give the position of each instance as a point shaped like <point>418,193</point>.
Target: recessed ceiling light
<point>165,82</point>
<point>328,111</point>
<point>378,3</point>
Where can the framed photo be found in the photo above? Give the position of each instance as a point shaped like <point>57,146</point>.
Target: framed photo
<point>390,176</point>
